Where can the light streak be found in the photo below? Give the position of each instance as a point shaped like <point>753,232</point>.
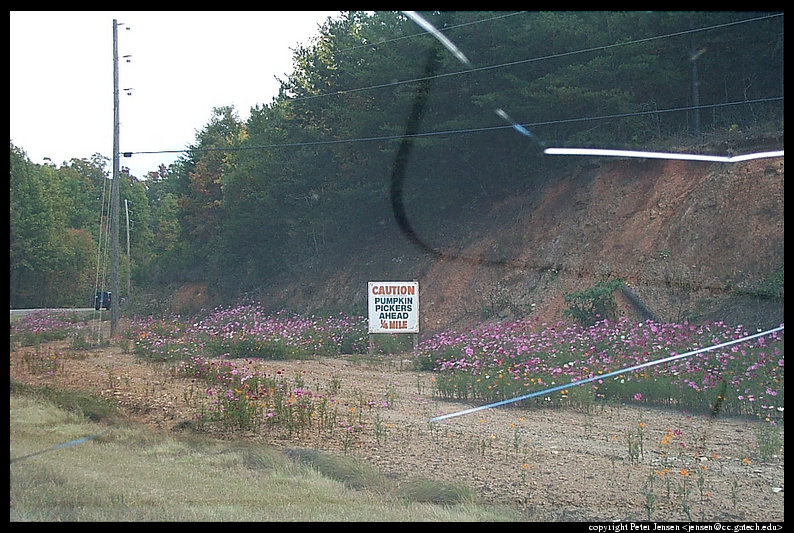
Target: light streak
<point>603,376</point>
<point>516,126</point>
<point>659,155</point>
<point>449,45</point>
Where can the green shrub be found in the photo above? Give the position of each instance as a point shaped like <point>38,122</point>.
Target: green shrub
<point>592,305</point>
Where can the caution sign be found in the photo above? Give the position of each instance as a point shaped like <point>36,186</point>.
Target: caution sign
<point>393,306</point>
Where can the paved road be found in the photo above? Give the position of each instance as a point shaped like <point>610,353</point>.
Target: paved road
<point>23,312</point>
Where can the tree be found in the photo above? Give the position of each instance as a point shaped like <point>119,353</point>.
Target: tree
<point>141,236</point>
<point>50,261</point>
<point>32,223</point>
<point>202,205</point>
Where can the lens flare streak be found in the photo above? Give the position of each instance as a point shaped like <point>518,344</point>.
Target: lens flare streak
<point>429,28</point>
<point>449,45</point>
<point>660,155</point>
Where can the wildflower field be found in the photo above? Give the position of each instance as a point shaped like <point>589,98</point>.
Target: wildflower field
<point>697,438</point>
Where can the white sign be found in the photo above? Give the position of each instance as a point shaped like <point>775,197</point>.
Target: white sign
<point>393,306</point>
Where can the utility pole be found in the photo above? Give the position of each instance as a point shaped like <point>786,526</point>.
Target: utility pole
<point>114,205</point>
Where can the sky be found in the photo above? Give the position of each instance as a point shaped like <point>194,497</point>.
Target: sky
<point>182,65</point>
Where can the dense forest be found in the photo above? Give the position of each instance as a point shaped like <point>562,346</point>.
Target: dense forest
<point>378,116</point>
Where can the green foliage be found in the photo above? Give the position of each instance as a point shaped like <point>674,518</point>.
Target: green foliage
<point>305,180</point>
<point>429,360</point>
<point>592,305</point>
<point>34,225</point>
<point>55,230</point>
<point>424,489</point>
<point>89,406</point>
<point>353,473</point>
<point>770,441</point>
<point>244,347</point>
<point>386,344</point>
<point>773,286</point>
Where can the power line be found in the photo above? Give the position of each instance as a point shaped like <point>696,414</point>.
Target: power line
<point>479,69</point>
<point>422,34</point>
<point>534,59</point>
<point>456,131</point>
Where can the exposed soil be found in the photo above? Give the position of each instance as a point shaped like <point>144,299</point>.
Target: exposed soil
<point>691,240</point>
<point>554,464</point>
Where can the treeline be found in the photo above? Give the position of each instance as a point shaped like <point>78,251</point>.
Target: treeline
<point>311,174</point>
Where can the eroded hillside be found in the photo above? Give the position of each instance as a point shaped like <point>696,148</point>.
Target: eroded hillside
<point>689,239</point>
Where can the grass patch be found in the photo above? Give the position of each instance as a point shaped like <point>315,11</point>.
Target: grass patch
<point>91,407</point>
<point>424,489</point>
<point>352,473</point>
<point>361,476</point>
<point>135,474</point>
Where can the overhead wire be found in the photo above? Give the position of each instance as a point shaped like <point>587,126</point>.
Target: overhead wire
<point>102,259</point>
<point>459,131</point>
<point>473,69</point>
<point>422,34</point>
<point>514,125</point>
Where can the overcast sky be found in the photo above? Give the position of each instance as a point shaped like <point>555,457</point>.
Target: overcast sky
<point>183,64</point>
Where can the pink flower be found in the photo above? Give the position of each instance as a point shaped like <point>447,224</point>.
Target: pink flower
<point>638,397</point>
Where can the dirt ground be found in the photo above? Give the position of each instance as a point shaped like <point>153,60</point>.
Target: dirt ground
<point>554,464</point>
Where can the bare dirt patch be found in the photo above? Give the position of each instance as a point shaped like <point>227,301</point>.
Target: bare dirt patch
<point>691,240</point>
<point>554,464</point>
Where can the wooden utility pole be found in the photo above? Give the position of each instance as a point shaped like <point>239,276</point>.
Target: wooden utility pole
<point>114,205</point>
